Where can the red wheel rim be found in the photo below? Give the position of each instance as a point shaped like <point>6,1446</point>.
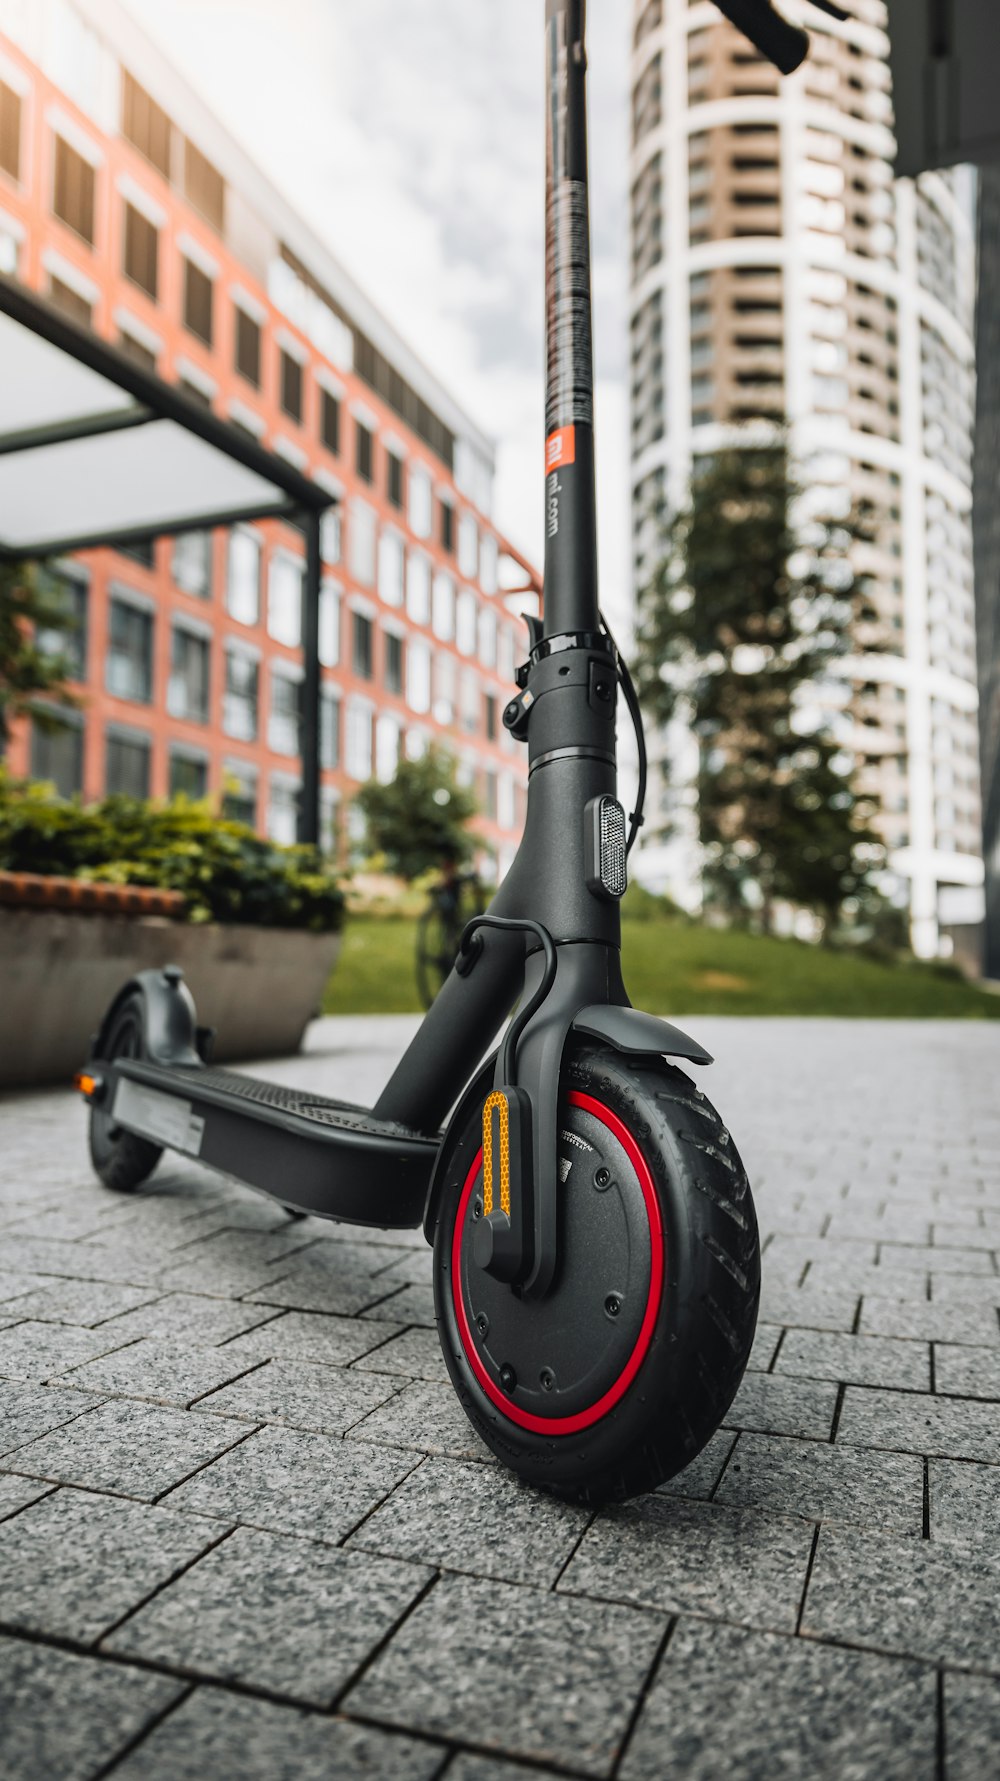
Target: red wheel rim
<point>582,1419</point>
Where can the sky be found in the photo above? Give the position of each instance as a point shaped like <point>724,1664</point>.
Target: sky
<point>409,134</point>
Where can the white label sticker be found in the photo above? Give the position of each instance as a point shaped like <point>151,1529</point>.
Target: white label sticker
<point>170,1121</point>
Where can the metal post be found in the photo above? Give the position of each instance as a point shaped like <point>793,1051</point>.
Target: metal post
<point>309,718</point>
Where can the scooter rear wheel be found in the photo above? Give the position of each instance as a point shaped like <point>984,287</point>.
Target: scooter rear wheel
<point>121,1159</point>
<point>616,1379</point>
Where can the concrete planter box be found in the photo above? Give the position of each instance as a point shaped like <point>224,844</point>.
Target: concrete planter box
<point>259,987</point>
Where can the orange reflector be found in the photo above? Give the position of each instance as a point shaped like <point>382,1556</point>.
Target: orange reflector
<point>86,1084</point>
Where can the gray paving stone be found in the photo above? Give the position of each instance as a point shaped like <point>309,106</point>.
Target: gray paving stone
<point>673,1555</point>
<point>825,1483</point>
<point>303,1394</point>
<point>84,1261</point>
<point>289,1482</point>
<point>966,1289</point>
<point>64,1717</point>
<point>806,1308</point>
<point>858,1360</point>
<point>514,1670</point>
<point>415,1268</point>
<point>464,1517</point>
<point>413,1305</point>
<point>160,1372</point>
<point>967,1372</point>
<point>415,1353</point>
<point>947,1234</point>
<point>700,1478</point>
<point>765,1346</point>
<point>191,1318</point>
<point>784,1406</point>
<point>919,1321</point>
<point>38,1351</point>
<point>217,1736</point>
<point>935,1260</point>
<point>427,1417</point>
<point>971,1727</point>
<point>312,1336</point>
<point>85,1302</point>
<point>17,1493</point>
<point>74,1563</point>
<point>238,1615</point>
<point>488,1768</point>
<point>127,1448</point>
<point>17,1286</point>
<point>920,1598</point>
<point>28,1411</point>
<point>911,1422</point>
<point>964,1503</point>
<point>749,1705</point>
<point>339,1277</point>
<point>884,1283</point>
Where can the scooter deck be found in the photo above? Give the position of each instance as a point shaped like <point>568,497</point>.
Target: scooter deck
<point>321,1156</point>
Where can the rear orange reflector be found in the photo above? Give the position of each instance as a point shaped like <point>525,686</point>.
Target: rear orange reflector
<point>86,1084</point>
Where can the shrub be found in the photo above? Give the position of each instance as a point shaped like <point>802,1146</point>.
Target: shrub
<point>223,869</point>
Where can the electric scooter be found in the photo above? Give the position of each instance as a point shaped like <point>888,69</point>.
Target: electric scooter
<point>596,1257</point>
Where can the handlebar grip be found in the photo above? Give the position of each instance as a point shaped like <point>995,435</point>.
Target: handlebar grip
<point>784,44</point>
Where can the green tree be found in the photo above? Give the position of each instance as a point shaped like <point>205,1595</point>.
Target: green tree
<point>33,617</point>
<point>418,820</point>
<point>738,630</point>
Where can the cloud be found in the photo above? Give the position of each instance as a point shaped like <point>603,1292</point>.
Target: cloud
<point>410,137</point>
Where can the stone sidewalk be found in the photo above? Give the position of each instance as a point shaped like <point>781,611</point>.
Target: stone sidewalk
<point>245,1530</point>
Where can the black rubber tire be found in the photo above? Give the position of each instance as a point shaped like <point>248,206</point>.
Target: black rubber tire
<point>120,1158</point>
<point>708,1310</point>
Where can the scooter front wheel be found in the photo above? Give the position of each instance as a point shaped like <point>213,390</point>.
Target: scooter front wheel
<point>617,1378</point>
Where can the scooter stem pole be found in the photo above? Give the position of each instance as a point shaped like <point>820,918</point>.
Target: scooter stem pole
<point>570,601</point>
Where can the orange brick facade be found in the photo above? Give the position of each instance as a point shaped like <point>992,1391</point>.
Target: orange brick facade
<point>446,677</point>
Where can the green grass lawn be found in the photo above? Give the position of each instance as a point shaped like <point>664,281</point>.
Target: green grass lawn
<point>672,967</point>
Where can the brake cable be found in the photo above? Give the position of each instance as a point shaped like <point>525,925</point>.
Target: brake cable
<point>636,819</point>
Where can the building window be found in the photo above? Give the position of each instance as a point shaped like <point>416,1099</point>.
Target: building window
<point>145,125</point>
<point>329,421</point>
<point>141,550</point>
<point>468,547</point>
<point>358,742</point>
<point>394,478</point>
<point>443,607</point>
<point>283,811</point>
<point>73,191</point>
<point>134,350</point>
<point>187,688</point>
<point>129,667</point>
<point>192,564</point>
<point>487,636</point>
<point>70,302</point>
<point>394,654</point>
<point>329,624</point>
<point>391,565</point>
<point>239,793</point>
<point>488,563</point>
<point>490,713</point>
<point>188,774</point>
<point>284,600</point>
<point>418,677</point>
<point>466,623</point>
<point>470,706</point>
<point>448,527</point>
<point>204,187</point>
<point>445,677</point>
<point>418,588</point>
<point>364,452</point>
<point>68,593</point>
<point>362,542</point>
<point>329,730</point>
<point>331,535</point>
<point>241,698</point>
<point>126,764</point>
<point>490,794</point>
<point>243,577</point>
<point>286,704</point>
<point>57,754</point>
<point>387,741</point>
<point>10,131</point>
<point>248,347</point>
<point>198,294</point>
<point>362,646</point>
<point>142,245</point>
<point>291,386</point>
<point>419,491</point>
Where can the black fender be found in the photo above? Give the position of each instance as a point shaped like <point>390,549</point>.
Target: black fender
<point>626,1029</point>
<point>169,1018</point>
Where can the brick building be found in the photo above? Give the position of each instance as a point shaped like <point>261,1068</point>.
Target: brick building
<point>125,203</point>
